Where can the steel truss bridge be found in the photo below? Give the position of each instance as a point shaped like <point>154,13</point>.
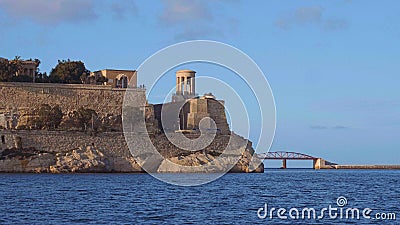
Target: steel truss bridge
<point>284,156</point>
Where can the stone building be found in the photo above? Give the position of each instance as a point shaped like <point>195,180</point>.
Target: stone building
<point>185,85</point>
<point>117,78</point>
<point>187,109</point>
<point>28,68</point>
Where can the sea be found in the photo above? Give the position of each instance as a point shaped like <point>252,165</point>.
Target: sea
<point>275,197</point>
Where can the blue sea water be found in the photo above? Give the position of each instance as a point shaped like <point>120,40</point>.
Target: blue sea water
<point>232,199</point>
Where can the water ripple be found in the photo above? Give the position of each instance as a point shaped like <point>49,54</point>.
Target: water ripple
<point>233,199</point>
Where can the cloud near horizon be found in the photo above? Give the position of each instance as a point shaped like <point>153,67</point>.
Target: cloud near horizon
<point>311,15</point>
<point>195,19</point>
<point>47,12</point>
<point>320,127</point>
<point>121,9</point>
<point>182,11</point>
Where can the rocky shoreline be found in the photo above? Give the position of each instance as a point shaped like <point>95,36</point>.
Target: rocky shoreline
<point>89,159</point>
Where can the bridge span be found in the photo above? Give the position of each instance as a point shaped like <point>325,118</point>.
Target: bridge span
<point>318,163</point>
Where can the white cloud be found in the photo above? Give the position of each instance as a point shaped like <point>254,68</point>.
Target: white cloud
<point>49,11</point>
<point>122,9</point>
<point>183,11</point>
<point>195,19</point>
<point>312,15</point>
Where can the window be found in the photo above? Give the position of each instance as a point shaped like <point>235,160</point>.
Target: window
<point>3,139</point>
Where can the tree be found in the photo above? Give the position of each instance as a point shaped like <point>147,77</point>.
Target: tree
<point>56,115</point>
<point>83,78</point>
<point>68,71</point>
<point>37,62</point>
<point>48,117</point>
<point>101,79</point>
<point>15,65</point>
<point>21,78</point>
<point>9,68</point>
<point>42,78</point>
<point>4,70</point>
<point>17,58</point>
<point>43,116</point>
<point>85,117</point>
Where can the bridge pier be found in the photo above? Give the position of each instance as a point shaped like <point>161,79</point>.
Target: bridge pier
<point>316,164</point>
<point>284,164</point>
<point>319,163</point>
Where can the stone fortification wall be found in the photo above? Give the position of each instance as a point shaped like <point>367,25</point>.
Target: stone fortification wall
<point>20,98</point>
<point>111,143</point>
<point>103,99</point>
<point>216,110</point>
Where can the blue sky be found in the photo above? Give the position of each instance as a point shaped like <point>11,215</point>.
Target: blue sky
<point>333,66</point>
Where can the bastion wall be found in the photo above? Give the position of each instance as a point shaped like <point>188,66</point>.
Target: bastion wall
<point>104,100</point>
<point>111,143</point>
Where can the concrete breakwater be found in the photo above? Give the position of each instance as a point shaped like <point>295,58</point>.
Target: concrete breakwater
<point>323,164</point>
<point>318,163</point>
<point>368,167</point>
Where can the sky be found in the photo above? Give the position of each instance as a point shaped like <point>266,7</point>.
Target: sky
<point>333,66</point>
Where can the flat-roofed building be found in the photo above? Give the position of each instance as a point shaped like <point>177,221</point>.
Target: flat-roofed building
<point>117,78</point>
<point>28,68</point>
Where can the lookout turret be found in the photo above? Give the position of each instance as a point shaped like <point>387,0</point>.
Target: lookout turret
<point>185,85</point>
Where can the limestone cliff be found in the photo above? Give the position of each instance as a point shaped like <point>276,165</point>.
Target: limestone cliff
<point>97,143</point>
<point>90,159</point>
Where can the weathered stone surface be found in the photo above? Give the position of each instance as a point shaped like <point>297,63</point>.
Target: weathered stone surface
<point>125,165</point>
<point>103,99</point>
<point>87,160</point>
<point>17,105</point>
<point>80,160</point>
<point>34,164</point>
<point>80,152</point>
<point>68,151</point>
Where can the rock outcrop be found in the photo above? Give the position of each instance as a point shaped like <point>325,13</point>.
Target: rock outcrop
<point>91,160</point>
<point>88,160</point>
<point>80,160</point>
<point>225,153</point>
<point>205,163</point>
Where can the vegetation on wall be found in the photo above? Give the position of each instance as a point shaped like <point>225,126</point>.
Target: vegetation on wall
<point>47,117</point>
<point>86,118</point>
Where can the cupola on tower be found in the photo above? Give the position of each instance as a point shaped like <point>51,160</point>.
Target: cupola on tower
<point>185,85</point>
